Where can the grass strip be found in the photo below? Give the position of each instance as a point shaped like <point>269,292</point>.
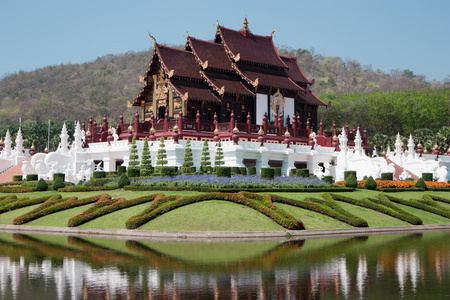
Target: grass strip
<point>325,207</point>
<point>23,202</point>
<point>380,205</point>
<point>54,205</point>
<point>163,204</point>
<point>426,205</point>
<point>436,198</point>
<point>106,205</point>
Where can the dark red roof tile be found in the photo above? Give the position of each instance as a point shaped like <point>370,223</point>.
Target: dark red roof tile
<point>294,71</point>
<point>182,62</point>
<point>196,91</point>
<point>309,98</point>
<point>251,47</point>
<point>232,84</point>
<point>213,53</point>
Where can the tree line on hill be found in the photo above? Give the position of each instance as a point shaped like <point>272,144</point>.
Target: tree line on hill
<point>384,103</point>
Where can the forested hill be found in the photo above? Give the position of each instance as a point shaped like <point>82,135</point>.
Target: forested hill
<point>103,86</point>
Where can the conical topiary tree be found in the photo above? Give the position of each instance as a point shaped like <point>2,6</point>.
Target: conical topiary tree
<point>133,163</point>
<point>146,162</point>
<point>161,157</point>
<point>218,160</point>
<point>205,164</point>
<point>188,164</point>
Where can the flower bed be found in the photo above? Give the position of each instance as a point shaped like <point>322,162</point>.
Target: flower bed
<point>54,205</point>
<point>85,188</point>
<point>325,207</point>
<point>260,203</point>
<point>104,206</point>
<point>16,188</point>
<point>400,184</point>
<point>380,205</point>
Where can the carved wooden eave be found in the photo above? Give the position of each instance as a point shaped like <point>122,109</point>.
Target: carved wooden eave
<point>212,85</point>
<point>248,80</point>
<point>204,65</point>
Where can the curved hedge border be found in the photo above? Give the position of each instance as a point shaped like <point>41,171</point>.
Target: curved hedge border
<point>106,205</point>
<point>380,205</point>
<point>16,189</point>
<point>163,204</point>
<point>427,205</point>
<point>14,203</point>
<point>436,198</point>
<point>54,205</point>
<point>325,207</point>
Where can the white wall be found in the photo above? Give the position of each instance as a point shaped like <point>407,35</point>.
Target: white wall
<point>261,107</point>
<point>289,109</point>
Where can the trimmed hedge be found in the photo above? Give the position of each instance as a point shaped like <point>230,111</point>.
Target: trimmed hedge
<point>267,173</point>
<point>223,171</point>
<point>12,203</point>
<point>421,184</point>
<point>351,181</point>
<point>41,185</point>
<point>59,176</point>
<point>426,204</point>
<point>133,172</point>
<point>328,179</point>
<point>235,190</point>
<point>325,207</point>
<point>106,205</point>
<point>187,170</point>
<point>380,205</point>
<point>302,172</point>
<point>427,176</point>
<point>99,174</point>
<point>121,170</point>
<point>16,189</point>
<point>260,203</point>
<point>276,172</point>
<point>85,188</point>
<point>32,177</point>
<point>123,181</point>
<point>348,173</point>
<point>387,176</point>
<point>370,183</point>
<point>436,198</point>
<point>54,205</point>
<point>251,171</point>
<point>17,178</point>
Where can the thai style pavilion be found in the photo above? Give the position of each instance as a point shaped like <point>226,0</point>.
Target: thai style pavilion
<point>238,73</point>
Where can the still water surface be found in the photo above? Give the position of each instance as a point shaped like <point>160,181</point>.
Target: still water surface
<point>400,266</point>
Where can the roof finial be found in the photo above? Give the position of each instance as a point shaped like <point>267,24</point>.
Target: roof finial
<point>187,34</point>
<point>217,24</point>
<point>152,37</point>
<point>273,31</point>
<point>245,23</point>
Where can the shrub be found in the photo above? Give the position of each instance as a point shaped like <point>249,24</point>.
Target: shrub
<point>223,171</point>
<point>32,177</point>
<point>421,183</point>
<point>370,183</point>
<point>347,173</point>
<point>121,170</point>
<point>292,172</point>
<point>133,172</point>
<point>146,162</point>
<point>17,178</point>
<point>251,171</point>
<point>41,185</point>
<point>276,172</point>
<point>59,176</point>
<point>409,179</point>
<point>267,173</point>
<point>162,154</point>
<point>80,182</point>
<point>58,184</point>
<point>123,180</point>
<point>387,176</point>
<point>187,170</point>
<point>351,181</point>
<point>302,172</point>
<point>328,179</point>
<point>133,157</point>
<point>218,160</point>
<point>99,174</point>
<point>111,174</point>
<point>427,176</point>
<point>188,164</point>
<point>98,181</point>
<point>243,171</point>
<point>205,163</point>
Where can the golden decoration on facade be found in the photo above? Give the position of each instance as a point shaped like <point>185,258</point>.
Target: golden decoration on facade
<point>170,74</point>
<point>237,57</point>
<point>222,90</point>
<point>205,65</point>
<point>255,83</point>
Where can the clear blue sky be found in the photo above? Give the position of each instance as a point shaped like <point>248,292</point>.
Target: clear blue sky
<point>394,34</point>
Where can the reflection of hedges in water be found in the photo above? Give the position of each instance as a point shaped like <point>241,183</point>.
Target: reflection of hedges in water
<point>15,251</point>
<point>265,260</point>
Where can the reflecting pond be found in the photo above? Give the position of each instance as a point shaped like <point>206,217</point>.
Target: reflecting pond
<point>392,266</point>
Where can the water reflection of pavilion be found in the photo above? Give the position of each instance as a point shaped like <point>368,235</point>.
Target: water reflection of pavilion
<point>342,268</point>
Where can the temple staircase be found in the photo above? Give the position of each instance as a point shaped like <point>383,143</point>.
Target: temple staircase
<point>399,170</point>
<point>7,175</point>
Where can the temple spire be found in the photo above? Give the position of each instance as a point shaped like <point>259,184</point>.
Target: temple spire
<point>245,26</point>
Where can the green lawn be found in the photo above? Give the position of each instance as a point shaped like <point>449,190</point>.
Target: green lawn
<point>218,215</point>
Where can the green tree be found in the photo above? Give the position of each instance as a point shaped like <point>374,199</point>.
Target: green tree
<point>188,164</point>
<point>161,157</point>
<point>146,162</point>
<point>218,160</point>
<point>133,157</point>
<point>205,163</point>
